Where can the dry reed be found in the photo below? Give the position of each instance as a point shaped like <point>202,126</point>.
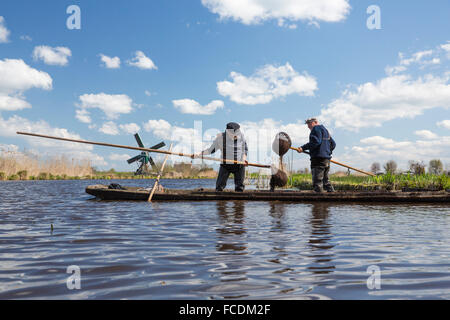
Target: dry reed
<point>26,165</point>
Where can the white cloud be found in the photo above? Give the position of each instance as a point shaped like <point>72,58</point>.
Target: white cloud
<point>377,140</point>
<point>8,148</point>
<point>257,11</point>
<point>383,149</point>
<point>267,83</point>
<point>111,104</point>
<point>16,75</point>
<point>164,130</point>
<point>9,127</point>
<point>26,37</point>
<point>426,134</point>
<point>119,157</point>
<point>109,128</point>
<point>4,32</point>
<point>446,46</point>
<point>130,128</point>
<point>15,78</point>
<point>421,59</point>
<point>416,57</point>
<point>83,115</point>
<point>393,97</point>
<point>141,61</point>
<point>193,107</point>
<point>185,140</point>
<point>110,62</point>
<point>394,70</point>
<point>8,103</point>
<point>444,124</point>
<point>58,56</point>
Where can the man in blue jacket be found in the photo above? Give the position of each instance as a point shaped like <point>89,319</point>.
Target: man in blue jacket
<point>320,146</point>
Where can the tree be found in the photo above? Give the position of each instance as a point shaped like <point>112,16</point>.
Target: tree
<point>390,167</point>
<point>416,167</point>
<point>375,168</point>
<point>436,167</point>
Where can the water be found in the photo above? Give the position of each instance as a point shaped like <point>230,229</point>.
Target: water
<point>216,250</point>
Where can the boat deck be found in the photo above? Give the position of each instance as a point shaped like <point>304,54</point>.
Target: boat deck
<point>140,194</point>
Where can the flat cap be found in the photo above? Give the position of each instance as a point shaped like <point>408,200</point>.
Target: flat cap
<point>310,120</point>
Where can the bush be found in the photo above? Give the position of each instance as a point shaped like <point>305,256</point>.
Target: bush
<point>416,167</point>
<point>390,167</point>
<point>43,176</point>
<point>13,177</point>
<point>436,167</point>
<point>22,174</point>
<point>2,176</point>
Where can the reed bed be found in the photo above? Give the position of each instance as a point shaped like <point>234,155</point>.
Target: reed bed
<point>29,166</point>
<point>389,182</point>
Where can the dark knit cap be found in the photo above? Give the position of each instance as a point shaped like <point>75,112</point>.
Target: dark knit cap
<point>233,125</point>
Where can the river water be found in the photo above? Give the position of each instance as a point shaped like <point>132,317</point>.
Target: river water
<point>215,250</point>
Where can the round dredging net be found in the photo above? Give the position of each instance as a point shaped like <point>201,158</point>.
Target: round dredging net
<point>280,146</point>
<point>278,179</point>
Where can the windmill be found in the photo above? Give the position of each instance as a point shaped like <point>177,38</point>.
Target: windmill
<point>144,158</point>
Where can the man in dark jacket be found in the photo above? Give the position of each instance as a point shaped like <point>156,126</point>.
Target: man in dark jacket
<point>321,146</point>
<point>233,147</point>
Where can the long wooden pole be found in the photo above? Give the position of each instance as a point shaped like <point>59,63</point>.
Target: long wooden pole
<point>341,164</point>
<point>142,149</point>
<point>155,185</point>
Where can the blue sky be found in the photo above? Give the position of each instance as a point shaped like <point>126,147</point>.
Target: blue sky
<point>288,65</point>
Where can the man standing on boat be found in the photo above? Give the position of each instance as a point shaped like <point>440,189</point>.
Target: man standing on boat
<point>233,146</point>
<point>321,146</point>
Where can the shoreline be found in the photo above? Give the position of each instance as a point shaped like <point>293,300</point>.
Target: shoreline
<point>108,178</point>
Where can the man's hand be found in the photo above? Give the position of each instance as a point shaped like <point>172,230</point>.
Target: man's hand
<point>244,159</point>
<point>299,150</point>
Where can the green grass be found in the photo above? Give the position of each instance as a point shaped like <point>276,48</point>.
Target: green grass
<point>383,182</point>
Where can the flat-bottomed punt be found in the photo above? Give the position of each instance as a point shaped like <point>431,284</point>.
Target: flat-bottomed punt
<point>141,194</point>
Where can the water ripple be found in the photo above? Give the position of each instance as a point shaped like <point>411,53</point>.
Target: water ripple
<point>215,250</point>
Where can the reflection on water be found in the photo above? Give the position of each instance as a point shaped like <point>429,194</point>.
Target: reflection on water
<point>232,229</point>
<point>320,239</point>
<point>215,250</point>
<point>231,247</point>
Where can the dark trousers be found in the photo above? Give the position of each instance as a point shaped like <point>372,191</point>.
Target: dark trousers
<point>320,167</point>
<point>224,172</point>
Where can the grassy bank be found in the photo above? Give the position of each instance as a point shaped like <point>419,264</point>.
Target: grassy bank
<point>388,182</point>
<point>99,176</point>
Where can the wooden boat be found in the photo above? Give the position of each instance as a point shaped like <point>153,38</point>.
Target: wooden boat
<point>140,194</point>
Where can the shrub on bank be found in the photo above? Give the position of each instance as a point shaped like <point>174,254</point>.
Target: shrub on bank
<point>22,174</point>
<point>42,176</point>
